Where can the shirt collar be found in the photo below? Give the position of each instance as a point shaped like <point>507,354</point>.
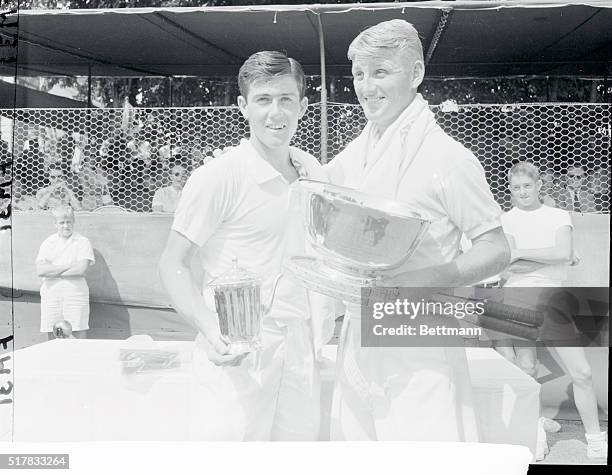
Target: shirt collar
<point>262,171</point>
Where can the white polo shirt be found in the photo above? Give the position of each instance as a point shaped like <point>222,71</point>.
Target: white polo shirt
<point>536,229</point>
<point>237,205</point>
<point>444,183</point>
<point>60,251</point>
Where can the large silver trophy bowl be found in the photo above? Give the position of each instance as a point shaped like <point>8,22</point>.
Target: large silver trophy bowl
<point>356,238</point>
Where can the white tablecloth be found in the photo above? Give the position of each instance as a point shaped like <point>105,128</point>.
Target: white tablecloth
<point>75,390</point>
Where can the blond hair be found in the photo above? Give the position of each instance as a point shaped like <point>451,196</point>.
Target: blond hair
<point>395,34</point>
<point>524,168</point>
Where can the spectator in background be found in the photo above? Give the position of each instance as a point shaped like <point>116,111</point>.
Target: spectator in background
<point>559,185</point>
<point>171,147</point>
<point>5,153</point>
<point>600,189</point>
<point>197,158</point>
<point>166,199</point>
<point>549,193</point>
<point>138,192</point>
<point>194,157</point>
<point>577,197</point>
<point>541,243</point>
<point>34,157</point>
<point>95,187</point>
<point>21,200</point>
<point>114,154</point>
<point>57,193</point>
<point>172,153</point>
<point>62,261</point>
<point>156,176</point>
<point>65,149</point>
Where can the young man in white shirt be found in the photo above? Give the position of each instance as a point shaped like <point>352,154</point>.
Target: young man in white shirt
<point>237,206</point>
<point>541,241</point>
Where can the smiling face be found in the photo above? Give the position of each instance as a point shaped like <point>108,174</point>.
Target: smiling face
<point>525,191</point>
<point>386,84</point>
<point>273,108</point>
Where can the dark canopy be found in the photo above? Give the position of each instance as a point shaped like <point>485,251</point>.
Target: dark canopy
<point>462,39</point>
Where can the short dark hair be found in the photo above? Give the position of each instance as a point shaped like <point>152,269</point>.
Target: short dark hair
<point>266,65</point>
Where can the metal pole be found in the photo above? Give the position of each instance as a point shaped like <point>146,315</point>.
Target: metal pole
<point>89,88</point>
<point>324,125</point>
<point>606,84</point>
<point>86,141</point>
<point>170,91</point>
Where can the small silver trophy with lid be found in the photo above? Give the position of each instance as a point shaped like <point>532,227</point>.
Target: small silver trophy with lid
<point>239,309</point>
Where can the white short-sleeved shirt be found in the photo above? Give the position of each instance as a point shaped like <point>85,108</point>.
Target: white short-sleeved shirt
<point>237,205</point>
<point>536,229</point>
<point>166,197</point>
<point>59,251</point>
<point>446,183</point>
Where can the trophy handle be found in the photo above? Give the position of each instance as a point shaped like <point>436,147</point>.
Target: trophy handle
<point>268,307</point>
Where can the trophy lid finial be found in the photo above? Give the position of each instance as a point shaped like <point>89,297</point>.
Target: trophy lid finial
<point>236,276</point>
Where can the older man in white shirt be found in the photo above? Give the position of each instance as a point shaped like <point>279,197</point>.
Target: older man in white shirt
<point>402,154</point>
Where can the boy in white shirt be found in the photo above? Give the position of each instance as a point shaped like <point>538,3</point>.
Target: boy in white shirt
<point>237,206</point>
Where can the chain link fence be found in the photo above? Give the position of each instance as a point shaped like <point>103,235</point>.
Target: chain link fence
<point>121,157</point>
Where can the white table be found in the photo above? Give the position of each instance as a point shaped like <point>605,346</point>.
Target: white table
<point>74,390</point>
